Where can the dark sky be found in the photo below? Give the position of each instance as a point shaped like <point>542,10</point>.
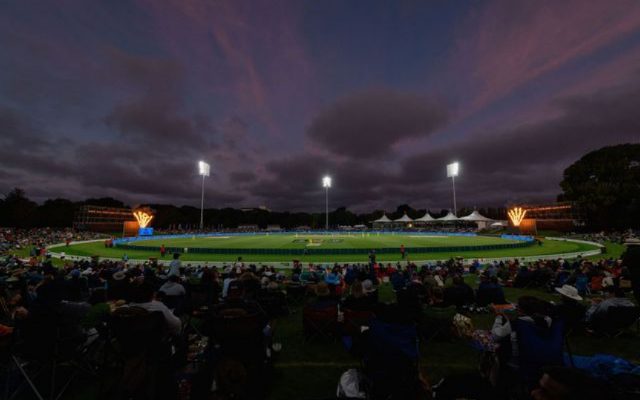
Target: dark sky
<point>122,98</point>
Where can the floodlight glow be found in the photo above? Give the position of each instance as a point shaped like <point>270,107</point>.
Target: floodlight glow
<point>326,182</point>
<point>203,168</point>
<point>453,169</point>
<point>516,215</point>
<point>143,218</point>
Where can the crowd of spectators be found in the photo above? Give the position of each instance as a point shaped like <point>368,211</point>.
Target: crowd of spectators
<point>603,237</point>
<point>217,324</point>
<point>15,239</point>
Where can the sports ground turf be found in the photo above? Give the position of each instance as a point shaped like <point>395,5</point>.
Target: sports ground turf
<point>356,241</point>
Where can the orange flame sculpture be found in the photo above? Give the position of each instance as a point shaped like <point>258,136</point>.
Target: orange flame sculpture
<point>143,218</point>
<point>516,215</point>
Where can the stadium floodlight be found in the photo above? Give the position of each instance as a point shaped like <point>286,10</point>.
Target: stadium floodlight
<point>453,170</point>
<point>203,169</point>
<point>326,184</point>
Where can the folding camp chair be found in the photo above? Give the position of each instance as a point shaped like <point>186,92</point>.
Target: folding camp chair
<point>142,341</point>
<point>174,303</point>
<point>616,321</point>
<point>390,361</point>
<point>320,322</point>
<point>239,339</point>
<point>50,346</point>
<point>355,320</point>
<point>596,284</point>
<point>274,303</point>
<point>537,348</point>
<point>296,293</point>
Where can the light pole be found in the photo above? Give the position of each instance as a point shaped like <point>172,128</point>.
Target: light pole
<point>326,184</point>
<point>453,170</point>
<point>203,170</point>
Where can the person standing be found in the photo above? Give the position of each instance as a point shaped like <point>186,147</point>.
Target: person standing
<point>402,251</point>
<point>631,260</point>
<point>163,251</point>
<point>174,267</point>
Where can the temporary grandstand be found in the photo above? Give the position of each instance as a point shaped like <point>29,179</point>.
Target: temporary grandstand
<point>101,219</point>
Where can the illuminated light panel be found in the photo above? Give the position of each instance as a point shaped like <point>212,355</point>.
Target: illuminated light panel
<point>516,215</point>
<point>453,169</point>
<point>326,182</point>
<point>143,218</point>
<point>551,208</point>
<point>203,168</point>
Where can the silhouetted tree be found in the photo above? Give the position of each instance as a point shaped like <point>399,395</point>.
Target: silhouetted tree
<point>17,210</point>
<point>605,187</point>
<point>56,213</point>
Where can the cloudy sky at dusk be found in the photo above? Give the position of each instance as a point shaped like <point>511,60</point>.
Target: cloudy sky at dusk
<point>121,98</point>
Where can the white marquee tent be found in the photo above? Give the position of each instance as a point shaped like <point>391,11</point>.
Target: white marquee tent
<point>448,217</point>
<point>382,220</point>
<point>425,218</point>
<point>476,217</point>
<point>404,218</point>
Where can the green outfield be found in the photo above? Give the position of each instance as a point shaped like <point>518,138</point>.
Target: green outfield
<point>241,245</point>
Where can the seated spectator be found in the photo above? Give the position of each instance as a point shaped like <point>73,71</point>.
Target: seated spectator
<point>530,310</point>
<point>398,280</point>
<point>142,295</point>
<point>324,299</point>
<point>332,278</point>
<point>226,282</point>
<point>437,318</point>
<point>250,285</point>
<point>489,291</point>
<point>370,291</point>
<point>99,311</point>
<point>118,286</point>
<point>570,309</point>
<point>459,294</point>
<point>173,287</point>
<point>523,278</point>
<point>598,312</point>
<point>357,299</point>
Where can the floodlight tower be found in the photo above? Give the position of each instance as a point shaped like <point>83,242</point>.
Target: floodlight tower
<point>203,169</point>
<point>453,170</point>
<point>326,184</point>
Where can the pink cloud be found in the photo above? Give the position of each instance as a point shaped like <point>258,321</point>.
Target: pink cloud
<point>252,52</point>
<point>508,44</point>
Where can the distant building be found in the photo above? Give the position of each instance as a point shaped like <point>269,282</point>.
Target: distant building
<point>259,208</point>
<point>559,217</point>
<point>248,228</point>
<point>102,219</point>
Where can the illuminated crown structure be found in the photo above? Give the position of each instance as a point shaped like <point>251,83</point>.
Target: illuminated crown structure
<point>516,215</point>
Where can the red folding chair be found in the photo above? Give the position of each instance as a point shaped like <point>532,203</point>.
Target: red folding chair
<point>596,283</point>
<point>354,320</point>
<point>320,322</point>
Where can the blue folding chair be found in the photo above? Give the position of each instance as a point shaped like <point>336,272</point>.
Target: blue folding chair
<point>538,348</point>
<point>390,361</point>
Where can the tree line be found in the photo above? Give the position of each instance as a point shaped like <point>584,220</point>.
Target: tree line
<point>17,210</point>
<point>603,185</point>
